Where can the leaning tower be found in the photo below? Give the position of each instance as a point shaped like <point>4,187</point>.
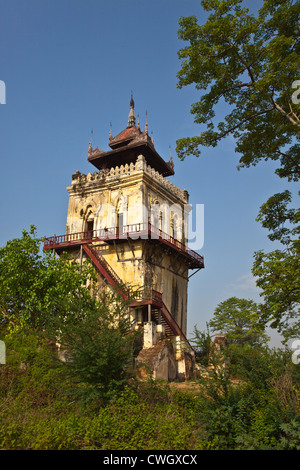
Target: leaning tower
<point>131,221</point>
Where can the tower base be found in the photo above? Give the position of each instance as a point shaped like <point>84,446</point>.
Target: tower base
<point>169,359</point>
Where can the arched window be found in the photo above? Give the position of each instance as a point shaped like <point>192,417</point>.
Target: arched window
<point>120,223</point>
<point>88,222</point>
<point>121,216</point>
<point>160,221</point>
<point>176,232</point>
<point>90,225</point>
<point>155,214</point>
<point>174,226</point>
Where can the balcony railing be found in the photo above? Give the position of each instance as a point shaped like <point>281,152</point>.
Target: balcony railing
<point>147,295</point>
<point>131,231</point>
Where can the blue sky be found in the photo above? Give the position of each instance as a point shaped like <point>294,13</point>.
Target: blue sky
<point>69,66</point>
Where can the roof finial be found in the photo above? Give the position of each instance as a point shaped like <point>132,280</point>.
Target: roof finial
<point>90,142</point>
<point>131,101</point>
<point>146,124</point>
<point>131,116</point>
<point>171,162</point>
<point>110,125</point>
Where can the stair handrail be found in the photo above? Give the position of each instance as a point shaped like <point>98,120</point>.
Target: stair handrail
<point>105,264</point>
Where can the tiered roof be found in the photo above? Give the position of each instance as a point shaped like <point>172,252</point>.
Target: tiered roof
<point>127,146</point>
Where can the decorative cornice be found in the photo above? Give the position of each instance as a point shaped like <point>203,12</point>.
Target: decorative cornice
<point>123,171</point>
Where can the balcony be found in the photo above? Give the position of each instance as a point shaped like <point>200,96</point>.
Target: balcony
<point>133,232</point>
<point>147,295</point>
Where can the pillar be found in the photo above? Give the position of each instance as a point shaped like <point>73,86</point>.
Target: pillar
<point>149,334</point>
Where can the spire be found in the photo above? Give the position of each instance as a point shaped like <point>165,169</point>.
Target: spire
<point>131,116</point>
<point>90,143</point>
<point>152,138</point>
<point>171,162</point>
<point>146,124</point>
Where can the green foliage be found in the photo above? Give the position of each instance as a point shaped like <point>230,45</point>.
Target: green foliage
<point>291,438</point>
<point>278,272</point>
<point>130,422</point>
<point>259,409</point>
<point>255,409</point>
<point>99,348</point>
<point>247,397</point>
<point>250,62</point>
<point>36,287</point>
<point>32,416</point>
<point>274,214</point>
<point>201,342</point>
<point>44,298</point>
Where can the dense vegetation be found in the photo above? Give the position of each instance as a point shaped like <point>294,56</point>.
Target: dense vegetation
<point>256,405</point>
<point>94,400</point>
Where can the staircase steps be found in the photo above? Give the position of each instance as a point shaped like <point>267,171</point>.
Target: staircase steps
<point>171,326</point>
<point>168,329</point>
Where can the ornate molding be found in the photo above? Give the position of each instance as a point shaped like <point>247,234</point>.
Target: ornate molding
<point>139,166</point>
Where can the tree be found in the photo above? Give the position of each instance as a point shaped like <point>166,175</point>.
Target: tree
<point>50,299</point>
<point>36,287</point>
<point>278,272</point>
<point>251,63</point>
<point>237,320</point>
<point>202,342</point>
<point>100,348</point>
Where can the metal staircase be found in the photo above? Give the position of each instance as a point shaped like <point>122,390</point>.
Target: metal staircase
<point>106,270</point>
<point>159,317</point>
<point>147,296</point>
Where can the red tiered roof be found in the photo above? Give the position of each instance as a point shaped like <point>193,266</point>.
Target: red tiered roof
<point>127,146</point>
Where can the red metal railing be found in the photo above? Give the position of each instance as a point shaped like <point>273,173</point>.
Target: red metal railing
<point>150,295</point>
<point>172,323</point>
<point>132,231</point>
<point>141,297</point>
<point>104,267</point>
<point>77,238</point>
<point>147,295</point>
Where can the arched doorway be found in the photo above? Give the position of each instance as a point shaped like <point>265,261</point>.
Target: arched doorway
<point>88,223</point>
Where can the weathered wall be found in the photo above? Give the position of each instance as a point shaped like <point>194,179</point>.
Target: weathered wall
<point>141,195</point>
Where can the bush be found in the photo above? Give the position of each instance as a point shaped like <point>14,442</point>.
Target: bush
<point>128,421</point>
<point>100,350</point>
<point>260,409</point>
<point>254,411</point>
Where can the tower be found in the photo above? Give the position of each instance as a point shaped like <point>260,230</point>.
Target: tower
<point>130,220</point>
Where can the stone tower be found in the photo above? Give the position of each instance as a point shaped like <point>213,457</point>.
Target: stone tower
<point>130,220</point>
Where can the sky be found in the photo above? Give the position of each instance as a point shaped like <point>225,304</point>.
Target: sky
<point>69,66</point>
